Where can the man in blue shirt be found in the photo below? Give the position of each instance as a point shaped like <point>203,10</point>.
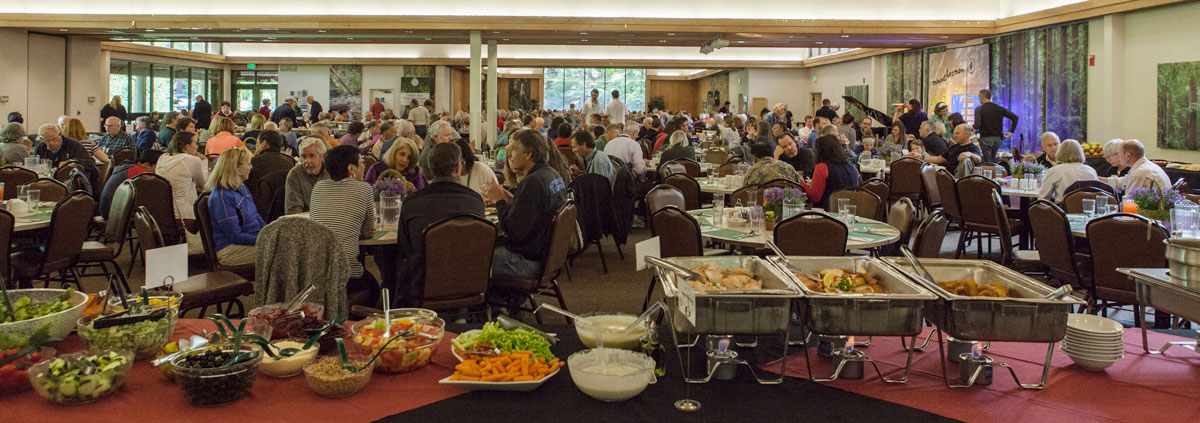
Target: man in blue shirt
<point>584,145</point>
<point>144,137</point>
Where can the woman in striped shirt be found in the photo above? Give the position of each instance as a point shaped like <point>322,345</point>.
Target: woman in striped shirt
<point>346,205</point>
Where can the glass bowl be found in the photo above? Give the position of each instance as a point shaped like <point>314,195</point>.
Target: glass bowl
<point>611,327</point>
<point>15,377</point>
<point>210,387</point>
<point>272,313</point>
<point>611,375</point>
<point>326,377</point>
<point>145,339</point>
<point>290,366</point>
<point>402,355</point>
<point>74,387</point>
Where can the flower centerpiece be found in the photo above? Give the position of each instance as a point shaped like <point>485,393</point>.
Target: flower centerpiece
<point>390,182</point>
<point>1155,202</point>
<point>1027,168</point>
<point>777,199</point>
<point>769,218</point>
<point>885,150</point>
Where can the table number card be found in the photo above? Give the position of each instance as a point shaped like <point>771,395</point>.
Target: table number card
<point>166,265</point>
<point>687,301</point>
<point>647,248</point>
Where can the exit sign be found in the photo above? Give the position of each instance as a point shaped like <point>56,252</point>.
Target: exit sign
<point>250,66</point>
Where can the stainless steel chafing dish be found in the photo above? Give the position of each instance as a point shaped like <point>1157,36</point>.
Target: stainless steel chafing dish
<point>895,313</point>
<point>765,311</point>
<point>1160,289</point>
<point>1026,316</point>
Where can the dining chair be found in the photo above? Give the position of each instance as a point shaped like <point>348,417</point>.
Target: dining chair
<point>561,233</point>
<point>1073,201</point>
<point>204,224</point>
<point>811,234</point>
<point>7,224</point>
<point>451,283</point>
<point>928,238</point>
<point>1056,245</point>
<point>906,179</point>
<point>1083,183</point>
<point>688,186</point>
<point>63,172</point>
<point>647,146</point>
<point>121,156</point>
<point>931,197</point>
<point>947,189</point>
<point>50,190</point>
<point>691,166</point>
<point>568,154</point>
<point>269,195</point>
<point>747,195</point>
<point>715,156</point>
<point>1005,232</point>
<point>1122,240</point>
<point>670,168</point>
<point>726,169</point>
<point>866,203</point>
<point>200,290</point>
<point>68,229</point>
<point>593,199</point>
<point>901,216</point>
<point>663,195</point>
<point>979,216</point>
<point>154,192</point>
<point>13,177</point>
<point>104,252</point>
<point>295,252</point>
<point>877,186</point>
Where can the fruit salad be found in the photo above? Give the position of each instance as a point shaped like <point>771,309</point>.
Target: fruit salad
<point>420,338</point>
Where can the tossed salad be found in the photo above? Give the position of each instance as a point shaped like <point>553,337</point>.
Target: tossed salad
<point>484,341</point>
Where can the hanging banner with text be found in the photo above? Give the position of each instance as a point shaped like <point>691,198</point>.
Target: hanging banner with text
<point>955,78</point>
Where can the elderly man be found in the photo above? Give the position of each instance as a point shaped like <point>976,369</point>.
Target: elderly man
<point>114,139</point>
<point>314,110</point>
<point>622,146</point>
<point>1142,173</point>
<point>143,137</point>
<point>202,112</point>
<point>538,124</point>
<point>526,215</point>
<point>1050,143</point>
<point>584,145</point>
<point>168,131</point>
<point>963,151</point>
<point>441,132</point>
<point>285,110</point>
<point>300,179</point>
<point>320,130</point>
<point>935,145</point>
<point>59,149</point>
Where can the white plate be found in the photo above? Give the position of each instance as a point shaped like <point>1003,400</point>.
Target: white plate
<point>1092,356</point>
<point>1094,343</point>
<point>498,386</point>
<point>1093,324</point>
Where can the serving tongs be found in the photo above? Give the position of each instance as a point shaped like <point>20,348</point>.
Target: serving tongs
<point>916,264</point>
<point>666,265</point>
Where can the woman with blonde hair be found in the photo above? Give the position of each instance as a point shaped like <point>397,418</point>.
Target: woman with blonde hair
<point>75,131</point>
<point>114,108</point>
<point>235,220</point>
<point>224,138</point>
<point>12,145</point>
<point>680,148</point>
<point>400,158</point>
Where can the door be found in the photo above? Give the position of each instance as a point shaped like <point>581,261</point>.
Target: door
<point>756,105</point>
<point>815,104</point>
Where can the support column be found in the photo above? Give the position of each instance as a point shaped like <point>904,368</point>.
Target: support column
<point>1111,62</point>
<point>492,93</point>
<point>474,106</point>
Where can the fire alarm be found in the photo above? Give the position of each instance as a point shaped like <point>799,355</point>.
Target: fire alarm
<point>1091,60</point>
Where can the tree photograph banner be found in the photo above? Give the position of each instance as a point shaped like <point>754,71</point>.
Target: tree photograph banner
<point>955,78</point>
<point>1177,105</point>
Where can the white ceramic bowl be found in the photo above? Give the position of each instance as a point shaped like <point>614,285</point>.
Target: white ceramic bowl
<point>1098,345</point>
<point>1090,355</point>
<point>1091,324</point>
<point>611,375</point>
<point>1078,334</point>
<point>1091,364</point>
<point>1094,352</point>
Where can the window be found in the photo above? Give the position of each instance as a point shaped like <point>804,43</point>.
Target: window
<point>252,87</point>
<point>148,87</point>
<point>817,52</point>
<point>566,86</point>
<point>199,47</point>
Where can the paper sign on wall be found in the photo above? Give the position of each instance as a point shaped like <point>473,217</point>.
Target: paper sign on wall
<point>166,265</point>
<point>646,248</point>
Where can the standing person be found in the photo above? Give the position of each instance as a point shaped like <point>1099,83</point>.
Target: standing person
<point>306,174</point>
<point>314,110</point>
<point>114,139</point>
<point>526,215</point>
<point>419,116</point>
<point>834,171</point>
<point>287,110</point>
<point>377,109</point>
<point>989,121</point>
<point>202,112</point>
<point>168,129</point>
<point>616,110</point>
<point>825,111</point>
<point>187,170</point>
<point>591,106</point>
<point>114,108</point>
<point>235,220</point>
<point>913,117</point>
<point>346,205</point>
<point>265,110</point>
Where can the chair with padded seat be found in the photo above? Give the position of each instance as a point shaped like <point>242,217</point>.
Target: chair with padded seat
<point>104,252</point>
<point>879,187</point>
<point>121,156</point>
<point>670,168</point>
<point>50,190</point>
<point>63,172</point>
<point>927,240</point>
<point>691,166</point>
<point>782,183</point>
<point>678,236</point>
<point>593,200</point>
<point>688,186</point>
<point>931,197</point>
<point>154,192</point>
<point>998,171</point>
<point>1056,245</point>
<point>866,203</point>
<point>13,177</point>
<point>947,188</point>
<point>663,195</point>
<point>906,180</point>
<point>269,195</point>
<point>204,223</point>
<point>561,235</point>
<point>68,230</point>
<point>747,195</point>
<point>901,216</point>
<point>567,153</point>
<point>979,216</point>
<point>716,156</point>
<point>7,223</point>
<point>811,234</point>
<point>451,283</point>
<point>1122,240</point>
<point>1084,183</point>
<point>201,290</point>
<point>726,169</point>
<point>1073,200</point>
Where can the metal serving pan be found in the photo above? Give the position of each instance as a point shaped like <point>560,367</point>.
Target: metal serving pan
<point>895,313</point>
<point>1157,288</point>
<point>1025,317</point>
<point>739,312</point>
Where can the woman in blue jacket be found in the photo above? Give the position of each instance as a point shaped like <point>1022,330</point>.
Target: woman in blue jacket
<point>235,220</point>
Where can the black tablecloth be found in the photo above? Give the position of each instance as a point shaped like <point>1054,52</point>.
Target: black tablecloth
<point>1101,165</point>
<point>738,400</point>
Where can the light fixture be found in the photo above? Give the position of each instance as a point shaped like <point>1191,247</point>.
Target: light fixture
<point>504,39</point>
<point>428,39</point>
<point>495,32</point>
<point>757,35</point>
<point>845,36</point>
<point>741,41</point>
<point>820,42</point>
<point>322,31</point>
<point>582,33</point>
<point>662,41</point>
<point>350,38</point>
<point>945,37</point>
<point>583,40</point>
<point>671,34</point>
<point>149,30</point>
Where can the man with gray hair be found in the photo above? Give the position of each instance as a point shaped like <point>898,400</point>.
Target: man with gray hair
<point>935,145</point>
<point>622,146</point>
<point>1142,173</point>
<point>114,138</point>
<point>439,132</point>
<point>1050,143</point>
<point>59,149</point>
<point>144,137</point>
<point>302,178</point>
<point>285,110</point>
<point>527,214</point>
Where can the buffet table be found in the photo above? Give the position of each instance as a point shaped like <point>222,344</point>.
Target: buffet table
<point>865,233</point>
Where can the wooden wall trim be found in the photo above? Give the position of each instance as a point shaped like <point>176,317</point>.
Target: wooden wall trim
<point>162,52</point>
<point>1076,12</point>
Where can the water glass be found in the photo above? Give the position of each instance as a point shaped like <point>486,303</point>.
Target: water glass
<point>23,192</point>
<point>718,207</point>
<point>841,205</point>
<point>987,173</point>
<point>756,219</point>
<point>32,162</point>
<point>1112,209</point>
<point>1089,207</point>
<point>33,196</point>
<point>850,213</point>
<point>1101,204</point>
<point>389,206</point>
<point>792,208</point>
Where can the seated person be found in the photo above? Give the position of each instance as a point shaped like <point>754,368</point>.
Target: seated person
<point>270,158</point>
<point>963,152</point>
<point>584,145</point>
<point>917,146</point>
<point>766,168</point>
<point>59,149</point>
<point>224,138</point>
<point>300,180</point>
<point>1050,144</point>
<point>187,171</point>
<point>235,220</point>
<point>146,161</point>
<point>1070,169</point>
<point>679,147</point>
<point>929,139</point>
<point>346,205</point>
<point>444,197</point>
<point>800,158</point>
<point>476,174</point>
<point>866,148</point>
<point>564,136</point>
<point>834,171</point>
<point>526,215</point>
<point>401,157</point>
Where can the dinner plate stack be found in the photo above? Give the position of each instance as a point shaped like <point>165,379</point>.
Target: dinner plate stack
<point>1093,342</point>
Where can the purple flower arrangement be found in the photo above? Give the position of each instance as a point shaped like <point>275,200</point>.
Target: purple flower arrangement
<point>1027,168</point>
<point>1155,198</point>
<point>775,197</point>
<point>391,182</point>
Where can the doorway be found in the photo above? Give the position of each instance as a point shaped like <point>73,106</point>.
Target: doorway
<point>815,104</point>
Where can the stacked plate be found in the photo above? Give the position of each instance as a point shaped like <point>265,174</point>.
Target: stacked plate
<point>1093,342</point>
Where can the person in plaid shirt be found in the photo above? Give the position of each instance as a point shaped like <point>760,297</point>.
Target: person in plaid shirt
<point>114,139</point>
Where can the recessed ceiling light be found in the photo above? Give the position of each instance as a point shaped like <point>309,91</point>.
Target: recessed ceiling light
<point>428,39</point>
<point>845,36</point>
<point>63,30</point>
<point>672,34</point>
<point>757,35</point>
<point>945,37</point>
<point>741,41</point>
<point>908,44</point>
<point>322,31</point>
<point>505,39</point>
<point>820,42</point>
<point>410,32</point>
<point>662,41</point>
<point>149,30</point>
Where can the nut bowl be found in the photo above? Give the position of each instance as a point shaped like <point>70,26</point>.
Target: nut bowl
<point>402,355</point>
<point>61,323</point>
<point>327,378</point>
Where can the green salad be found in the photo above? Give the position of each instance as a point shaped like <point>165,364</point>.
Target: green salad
<point>24,308</point>
<point>144,338</point>
<point>493,336</point>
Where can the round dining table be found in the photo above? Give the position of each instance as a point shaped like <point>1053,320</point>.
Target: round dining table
<point>864,233</point>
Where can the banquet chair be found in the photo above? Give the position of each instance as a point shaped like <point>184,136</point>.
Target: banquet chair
<point>104,252</point>
<point>293,253</point>
<point>63,172</point>
<point>747,195</point>
<point>931,197</point>
<point>561,232</point>
<point>678,236</point>
<point>593,198</point>
<point>13,177</point>
<point>200,290</point>
<point>451,283</point>
<point>121,156</point>
<point>1073,201</point>
<point>877,186</point>
<point>906,180</point>
<point>204,224</point>
<point>901,216</point>
<point>688,186</point>
<point>979,216</point>
<point>691,166</point>
<point>154,193</point>
<point>998,171</point>
<point>661,196</point>
<point>568,154</point>
<point>726,169</point>
<point>1005,232</point>
<point>948,190</point>
<point>670,168</point>
<point>269,195</point>
<point>811,234</point>
<point>927,240</point>
<point>1056,245</point>
<point>1122,240</point>
<point>68,229</point>
<point>1082,183</point>
<point>715,156</point>
<point>647,146</point>
<point>7,223</point>
<point>866,203</point>
<point>369,160</point>
<point>50,190</point>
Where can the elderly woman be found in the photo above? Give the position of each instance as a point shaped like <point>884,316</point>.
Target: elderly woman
<point>1070,168</point>
<point>1112,154</point>
<point>401,157</point>
<point>74,130</point>
<point>679,148</point>
<point>12,143</point>
<point>235,220</point>
<point>352,133</point>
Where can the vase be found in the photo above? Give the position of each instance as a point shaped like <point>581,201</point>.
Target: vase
<point>769,225</point>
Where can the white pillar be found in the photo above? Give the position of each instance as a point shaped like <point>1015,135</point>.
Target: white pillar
<point>476,88</point>
<point>492,94</point>
<point>1110,65</point>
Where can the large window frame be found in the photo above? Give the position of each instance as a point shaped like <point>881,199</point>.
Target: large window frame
<point>254,86</point>
<point>562,87</point>
<point>196,46</point>
<point>154,87</point>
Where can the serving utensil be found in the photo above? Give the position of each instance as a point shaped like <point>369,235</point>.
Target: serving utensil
<point>293,305</point>
<point>195,343</point>
<point>509,323</point>
<point>645,315</point>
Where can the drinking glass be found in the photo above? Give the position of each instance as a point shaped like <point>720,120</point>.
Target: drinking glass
<point>1111,209</point>
<point>756,219</point>
<point>1,192</point>
<point>1101,204</point>
<point>841,205</point>
<point>987,173</point>
<point>390,207</point>
<point>32,162</point>
<point>23,192</point>
<point>850,213</point>
<point>718,208</point>
<point>34,196</point>
<point>1089,207</point>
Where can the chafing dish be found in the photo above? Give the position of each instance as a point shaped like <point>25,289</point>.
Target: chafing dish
<point>1159,288</point>
<point>765,311</point>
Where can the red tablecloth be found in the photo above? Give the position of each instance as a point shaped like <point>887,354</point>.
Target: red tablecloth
<point>148,396</point>
<point>1141,387</point>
